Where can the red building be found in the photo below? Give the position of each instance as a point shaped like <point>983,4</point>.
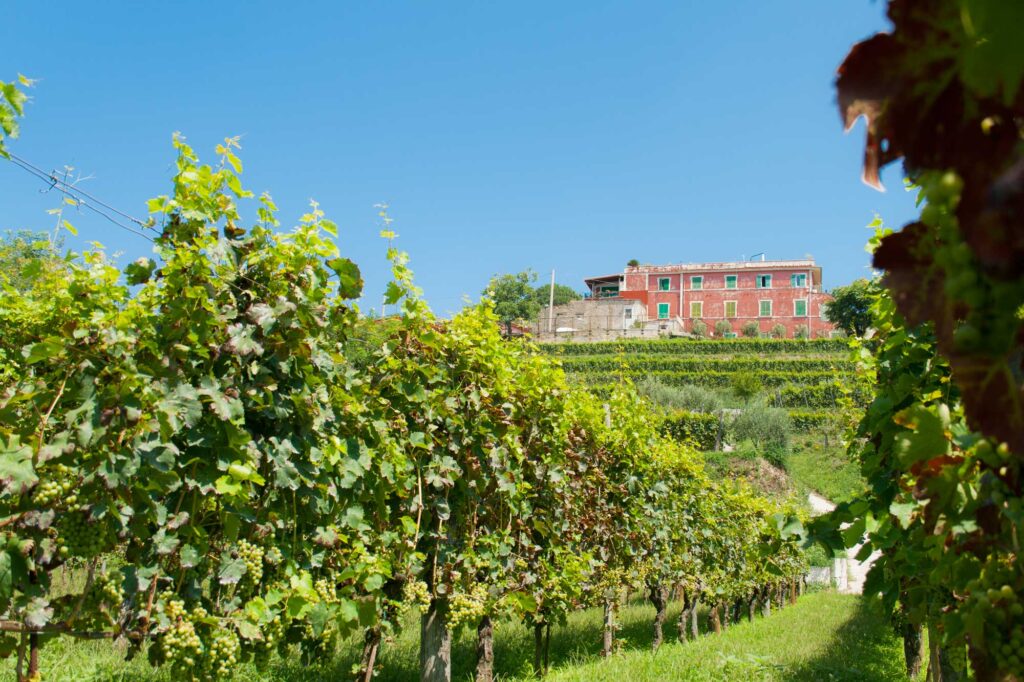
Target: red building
<point>786,292</point>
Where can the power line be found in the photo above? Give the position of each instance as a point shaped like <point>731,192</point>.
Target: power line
<point>77,195</point>
<point>80,197</point>
<point>68,187</point>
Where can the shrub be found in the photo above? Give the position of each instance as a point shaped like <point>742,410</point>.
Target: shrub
<point>767,427</point>
<point>778,331</point>
<point>801,332</point>
<point>745,385</point>
<point>751,329</point>
<point>810,421</point>
<point>722,328</point>
<point>687,397</point>
<point>696,347</point>
<point>699,329</point>
<point>697,429</point>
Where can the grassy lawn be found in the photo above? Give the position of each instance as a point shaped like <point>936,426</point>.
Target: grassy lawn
<point>825,470</point>
<point>826,636</point>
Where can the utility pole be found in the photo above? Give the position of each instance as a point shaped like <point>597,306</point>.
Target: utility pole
<point>551,304</point>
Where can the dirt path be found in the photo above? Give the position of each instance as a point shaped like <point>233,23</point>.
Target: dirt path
<point>848,574</point>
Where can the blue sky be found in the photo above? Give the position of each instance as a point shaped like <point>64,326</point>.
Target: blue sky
<point>504,136</point>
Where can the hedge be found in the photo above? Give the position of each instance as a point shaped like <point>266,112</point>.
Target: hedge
<point>824,394</point>
<point>697,428</point>
<point>654,362</point>
<point>698,346</point>
<point>783,380</point>
<point>807,420</point>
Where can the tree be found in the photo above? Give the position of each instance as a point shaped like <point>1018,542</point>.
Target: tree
<point>849,307</point>
<point>723,327</point>
<point>514,297</point>
<point>633,262</point>
<point>563,294</point>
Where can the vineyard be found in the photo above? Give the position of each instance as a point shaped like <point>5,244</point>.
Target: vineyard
<point>212,461</point>
<point>196,467</point>
<point>812,379</point>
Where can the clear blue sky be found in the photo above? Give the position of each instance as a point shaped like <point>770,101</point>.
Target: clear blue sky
<point>504,136</point>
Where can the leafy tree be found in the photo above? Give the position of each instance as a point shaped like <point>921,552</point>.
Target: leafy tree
<point>514,297</point>
<point>723,327</point>
<point>563,294</point>
<point>750,329</point>
<point>746,385</point>
<point>849,308</point>
<point>12,106</point>
<point>633,262</point>
<point>700,329</point>
<point>778,331</point>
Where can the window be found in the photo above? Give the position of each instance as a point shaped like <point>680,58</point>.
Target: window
<point>697,283</point>
<point>798,280</point>
<point>663,311</point>
<point>730,281</point>
<point>664,283</point>
<point>730,308</point>
<point>800,307</point>
<point>628,313</point>
<point>766,308</point>
<point>696,308</point>
<point>821,309</point>
<point>764,281</point>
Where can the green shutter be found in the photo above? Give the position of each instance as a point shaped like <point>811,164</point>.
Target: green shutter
<point>730,308</point>
<point>766,308</point>
<point>730,281</point>
<point>800,308</point>
<point>663,311</point>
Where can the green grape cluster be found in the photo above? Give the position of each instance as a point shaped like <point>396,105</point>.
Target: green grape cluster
<point>995,595</point>
<point>273,635</point>
<point>325,590</point>
<point>78,536</point>
<point>109,588</point>
<point>104,597</point>
<point>222,653</point>
<point>317,649</point>
<point>252,555</point>
<point>181,645</point>
<point>273,556</point>
<point>467,607</point>
<point>416,594</point>
<point>56,488</point>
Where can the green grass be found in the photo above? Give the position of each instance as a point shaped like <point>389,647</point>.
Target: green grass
<point>825,636</point>
<point>825,470</point>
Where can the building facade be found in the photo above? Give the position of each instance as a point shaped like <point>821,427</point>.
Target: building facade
<point>767,293</point>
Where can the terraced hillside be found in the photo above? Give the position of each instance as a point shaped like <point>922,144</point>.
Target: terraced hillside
<point>811,374</point>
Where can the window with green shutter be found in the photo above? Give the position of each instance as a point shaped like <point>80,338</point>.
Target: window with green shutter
<point>697,283</point>
<point>798,280</point>
<point>800,307</point>
<point>696,309</point>
<point>664,283</point>
<point>730,281</point>
<point>663,311</point>
<point>730,308</point>
<point>766,308</point>
<point>764,281</point>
